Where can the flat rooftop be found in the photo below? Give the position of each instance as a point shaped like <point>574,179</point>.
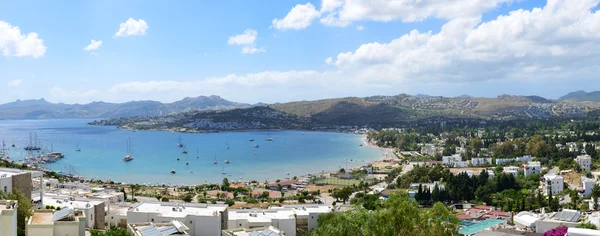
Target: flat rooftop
<point>42,218</point>
<point>180,210</point>
<point>305,209</point>
<point>10,172</point>
<point>260,215</point>
<point>64,202</point>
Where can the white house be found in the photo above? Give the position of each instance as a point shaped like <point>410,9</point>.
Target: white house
<point>481,161</point>
<point>450,161</point>
<point>588,185</point>
<point>553,183</point>
<point>8,218</point>
<point>585,162</point>
<point>533,167</point>
<point>117,215</point>
<point>201,219</point>
<point>513,170</point>
<point>64,222</point>
<point>306,215</point>
<point>261,231</point>
<point>282,219</point>
<point>526,158</point>
<point>15,179</point>
<point>93,210</point>
<point>501,161</point>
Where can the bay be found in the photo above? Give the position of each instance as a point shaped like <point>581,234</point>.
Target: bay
<point>155,152</point>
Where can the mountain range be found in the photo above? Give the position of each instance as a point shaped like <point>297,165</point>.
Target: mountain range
<point>374,111</point>
<point>42,109</point>
<point>582,96</point>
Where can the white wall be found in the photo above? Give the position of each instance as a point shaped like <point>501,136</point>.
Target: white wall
<point>286,225</point>
<point>204,225</point>
<point>312,221</point>
<point>8,223</point>
<point>66,228</point>
<point>40,230</point>
<point>6,183</point>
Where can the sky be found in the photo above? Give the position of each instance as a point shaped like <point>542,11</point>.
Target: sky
<point>278,51</point>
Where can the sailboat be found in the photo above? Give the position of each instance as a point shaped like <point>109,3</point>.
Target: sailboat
<point>226,161</point>
<point>128,157</point>
<point>227,145</point>
<point>197,154</point>
<point>184,150</point>
<point>13,143</point>
<point>268,138</point>
<point>187,163</point>
<point>223,170</point>
<point>215,161</point>
<point>77,149</point>
<point>179,142</point>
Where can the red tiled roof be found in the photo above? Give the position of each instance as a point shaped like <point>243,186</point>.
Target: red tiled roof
<point>463,217</point>
<point>284,182</point>
<point>488,208</point>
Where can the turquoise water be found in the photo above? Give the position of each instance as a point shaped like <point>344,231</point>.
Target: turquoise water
<point>156,152</point>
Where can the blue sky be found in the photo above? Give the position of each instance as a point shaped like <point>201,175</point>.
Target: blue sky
<point>183,48</point>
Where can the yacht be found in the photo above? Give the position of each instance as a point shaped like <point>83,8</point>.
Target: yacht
<point>255,146</point>
<point>187,163</point>
<point>178,159</point>
<point>226,161</point>
<point>251,140</point>
<point>77,148</point>
<point>184,150</point>
<point>172,171</point>
<point>179,142</point>
<point>128,157</point>
<point>215,161</point>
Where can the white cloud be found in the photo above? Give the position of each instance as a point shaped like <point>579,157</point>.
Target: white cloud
<point>132,27</point>
<point>13,43</point>
<point>300,17</point>
<point>360,27</point>
<point>407,11</point>
<point>546,45</point>
<point>15,83</point>
<point>252,50</point>
<point>247,39</point>
<point>561,35</point>
<point>94,45</point>
<point>331,5</point>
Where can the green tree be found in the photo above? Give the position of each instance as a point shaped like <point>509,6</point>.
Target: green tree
<point>187,198</point>
<point>595,195</point>
<point>225,184</point>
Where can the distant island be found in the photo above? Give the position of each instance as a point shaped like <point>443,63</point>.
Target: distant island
<point>354,112</point>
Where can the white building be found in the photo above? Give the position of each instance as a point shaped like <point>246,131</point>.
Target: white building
<point>450,161</point>
<point>282,219</point>
<point>525,220</point>
<point>585,162</point>
<point>93,210</point>
<point>117,215</point>
<point>588,185</point>
<point>533,167</point>
<point>513,170</point>
<point>8,218</point>
<point>553,183</point>
<point>570,218</point>
<point>171,228</point>
<point>501,161</point>
<point>491,174</point>
<point>15,179</point>
<point>306,215</point>
<point>201,219</point>
<point>526,158</point>
<point>48,223</point>
<point>481,161</point>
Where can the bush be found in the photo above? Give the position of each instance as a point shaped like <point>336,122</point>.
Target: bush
<point>281,200</point>
<point>251,201</point>
<point>230,202</point>
<point>165,199</point>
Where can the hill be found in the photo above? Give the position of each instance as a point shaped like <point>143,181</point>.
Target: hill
<point>42,109</point>
<point>582,96</point>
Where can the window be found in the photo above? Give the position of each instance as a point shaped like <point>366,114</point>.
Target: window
<point>5,189</point>
<point>190,222</point>
<point>152,220</point>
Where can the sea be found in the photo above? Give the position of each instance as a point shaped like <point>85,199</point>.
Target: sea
<point>291,153</point>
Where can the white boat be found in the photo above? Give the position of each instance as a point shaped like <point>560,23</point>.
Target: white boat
<point>197,154</point>
<point>128,157</point>
<point>215,161</point>
<point>172,171</point>
<point>255,146</point>
<point>179,142</point>
<point>184,150</point>
<point>77,148</point>
<point>226,161</point>
<point>187,163</point>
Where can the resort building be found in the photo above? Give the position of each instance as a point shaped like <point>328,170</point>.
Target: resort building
<point>146,229</point>
<point>525,220</point>
<point>108,196</point>
<point>94,211</point>
<point>21,180</point>
<point>585,162</point>
<point>201,219</point>
<point>261,231</point>
<point>533,167</point>
<point>8,218</point>
<point>49,223</point>
<point>553,183</point>
<point>513,170</point>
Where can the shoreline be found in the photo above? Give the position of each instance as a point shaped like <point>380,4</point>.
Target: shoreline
<point>363,140</point>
